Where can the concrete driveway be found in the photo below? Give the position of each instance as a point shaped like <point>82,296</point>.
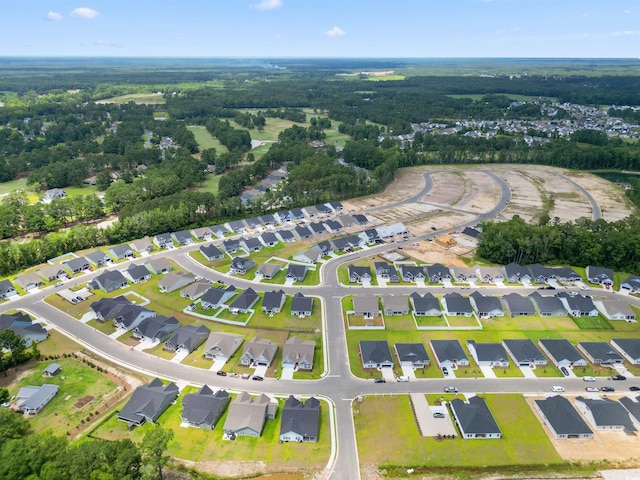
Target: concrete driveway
<point>218,365</point>
<point>408,371</point>
<point>387,373</point>
<point>261,370</point>
<point>488,372</point>
<point>287,372</point>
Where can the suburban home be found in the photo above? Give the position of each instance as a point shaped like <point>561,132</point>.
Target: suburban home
<point>633,407</point>
<point>488,354</point>
<point>163,240</point>
<point>366,306</point>
<point>247,415</point>
<point>155,329</point>
<point>471,232</point>
<point>222,346</point>
<point>148,402</point>
<point>515,273</point>
<point>456,305</point>
<point>465,274</point>
<point>98,258</point>
<point>600,276</point>
<point>600,353</point>
<point>629,348</point>
<point>412,355</point>
<point>302,232</point>
<point>268,220</point>
<point>31,400</point>
<point>359,274</point>
<point>565,274</point>
<point>317,228</point>
<point>346,220</point>
<point>211,252</point>
<point>631,283</point>
<point>203,234</point>
<point>336,206</point>
<point>231,245</point>
<point>300,420</point>
<point>370,235</point>
<point>142,245</point>
<point>219,230</point>
<point>296,214</point>
<point>53,194</point>
<point>354,241</point>
<point>310,255</point>
<point>268,270</point>
<point>386,271</point>
<point>158,266</point>
<point>128,317</point>
<point>519,306</point>
<point>52,370</point>
<point>578,306</point>
<point>253,223</point>
<point>216,297</point>
<point>244,302</point>
<point>340,244</point>
<point>298,353</point>
<point>137,273</point>
<point>398,228</point>
<point>449,353</point>
<point>269,239</point>
<point>485,306</point>
<point>617,310</point>
<point>174,281</point>
<point>296,272</point>
<point>286,236</point>
<point>491,274</point>
<point>28,281</point>
<point>550,306</point>
<point>412,273</point>
<point>375,354</point>
<point>540,273</point>
<point>120,252</point>
<point>108,281</point>
<point>326,248</point>
<point>187,338</point>
<point>204,408</point>
<point>359,219</point>
<point>76,265</point>
<point>425,305</point>
<point>273,301</point>
<point>605,414</point>
<point>562,419</point>
<point>562,353</point>
<point>324,209</point>
<point>474,419</point>
<point>195,290</point>
<point>301,306</point>
<point>258,351</point>
<point>525,353</point>
<point>333,226</point>
<point>236,226</point>
<point>311,211</point>
<point>251,244</point>
<point>22,325</point>
<point>394,305</point>
<point>50,273</point>
<point>437,273</point>
<point>108,308</point>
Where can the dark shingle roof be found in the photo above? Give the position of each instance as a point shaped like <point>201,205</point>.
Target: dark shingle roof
<point>375,351</point>
<point>204,406</point>
<point>475,416</point>
<point>564,419</point>
<point>524,350</point>
<point>301,418</point>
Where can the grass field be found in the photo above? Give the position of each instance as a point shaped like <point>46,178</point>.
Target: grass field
<point>478,96</point>
<point>139,98</point>
<point>593,323</point>
<point>210,185</point>
<point>13,185</point>
<point>206,140</point>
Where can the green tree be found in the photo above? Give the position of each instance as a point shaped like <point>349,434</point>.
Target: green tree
<point>12,342</point>
<point>103,180</point>
<point>154,445</point>
<point>12,426</point>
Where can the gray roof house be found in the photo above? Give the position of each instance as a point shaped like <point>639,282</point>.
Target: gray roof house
<point>187,338</point>
<point>155,329</point>
<point>211,252</point>
<point>301,306</point>
<point>491,274</point>
<point>52,370</point>
<point>412,273</point>
<point>539,273</point>
<point>298,353</point>
<point>631,283</point>
<point>204,408</point>
<point>437,272</point>
<point>515,273</point>
<point>163,240</point>
<point>629,348</point>
<point>525,353</point>
<point>31,400</point>
<point>183,237</point>
<point>247,415</point>
<point>333,225</point>
<point>273,301</point>
<point>359,274</point>
<point>296,272</point>
<point>244,302</point>
<point>412,355</point>
<point>202,234</point>
<point>231,245</point>
<point>562,353</point>
<point>296,213</point>
<point>286,236</point>
<point>106,308</point>
<point>76,265</point>
<point>605,414</point>
<point>366,306</point>
<point>174,281</point>
<point>138,273</point>
<point>251,244</point>
<point>317,228</point>
<point>195,290</point>
<point>300,420</point>
<point>550,306</point>
<point>221,346</point>
<point>216,297</point>
<point>236,226</point>
<point>600,275</point>
<point>219,230</point>
<point>449,353</point>
<point>578,306</point>
<point>269,239</point>
<point>425,305</point>
<point>148,402</point>
<point>486,306</point>
<point>159,265</point>
<point>22,325</point>
<point>615,309</point>
<point>310,255</point>
<point>268,220</point>
<point>258,351</point>
<point>519,306</point>
<point>142,245</point>
<point>128,317</point>
<point>326,247</point>
<point>52,272</point>
<point>109,280</point>
<point>457,305</point>
<point>98,258</point>
<point>600,353</point>
<point>474,418</point>
<point>488,354</point>
<point>268,270</point>
<point>395,305</point>
<point>632,406</point>
<point>465,274</point>
<point>386,271</point>
<point>565,274</point>
<point>375,354</point>
<point>253,222</point>
<point>562,419</point>
<point>28,281</point>
<point>121,251</point>
<point>302,232</point>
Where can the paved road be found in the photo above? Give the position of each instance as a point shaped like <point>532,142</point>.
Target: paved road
<point>339,386</point>
<point>596,213</point>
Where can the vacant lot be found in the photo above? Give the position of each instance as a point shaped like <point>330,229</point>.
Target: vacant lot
<point>139,98</point>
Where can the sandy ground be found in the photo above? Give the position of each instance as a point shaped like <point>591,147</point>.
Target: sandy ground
<point>473,191</point>
<point>611,198</point>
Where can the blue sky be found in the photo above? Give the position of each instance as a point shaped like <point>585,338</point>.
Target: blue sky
<point>321,28</point>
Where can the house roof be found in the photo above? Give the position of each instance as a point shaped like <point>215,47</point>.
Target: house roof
<point>475,416</point>
<point>219,229</point>
<point>205,406</point>
<point>247,412</point>
<point>412,271</point>
<point>515,270</point>
<point>79,263</point>
<point>547,304</point>
<point>260,347</point>
<point>214,296</point>
<point>489,352</point>
<point>285,235</point>
<point>303,231</point>
<point>365,303</point>
<point>633,407</point>
<point>211,251</point>
<point>252,243</point>
<point>225,344</point>
<point>524,350</point>
<point>424,303</point>
<point>128,314</point>
<point>300,303</point>
<point>157,327</point>
<point>519,304</point>
<point>298,271</point>
<point>34,398</point>
<point>120,250</point>
<point>196,288</point>
<point>456,303</point>
<point>172,281</point>
<point>109,279</point>
<point>632,281</point>
<point>48,271</point>
<point>579,303</point>
<point>137,271</point>
<point>272,299</point>
<point>299,417</point>
<point>614,306</point>
<point>631,346</point>
<point>394,302</point>
<point>375,351</point>
<point>333,224</point>
<point>310,254</point>
<point>237,225</point>
<point>97,256</point>
<point>359,271</point>
<point>448,350</point>
<point>601,351</point>
<point>437,270</point>
<point>245,300</point>
<point>269,269</point>
<point>412,352</point>
<point>561,349</point>
<point>485,303</point>
<point>326,247</point>
<point>564,419</point>
<point>159,264</point>
<point>253,222</point>
<point>607,412</point>
<point>317,228</point>
<point>189,336</point>
<point>269,237</point>
<point>52,369</point>
<point>28,278</point>
<point>600,273</point>
<point>105,306</point>
<point>296,350</point>
<point>230,244</point>
<point>147,401</point>
<point>267,219</point>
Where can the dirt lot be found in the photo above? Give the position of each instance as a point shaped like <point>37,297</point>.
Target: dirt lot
<point>472,191</point>
<point>611,198</point>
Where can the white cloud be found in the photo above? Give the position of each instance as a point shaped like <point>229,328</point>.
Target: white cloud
<point>626,33</point>
<point>267,4</point>
<point>54,16</point>
<point>335,32</point>
<point>106,43</point>
<point>84,12</point>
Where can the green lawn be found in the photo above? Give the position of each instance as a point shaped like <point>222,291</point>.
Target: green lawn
<point>13,185</point>
<point>592,323</point>
<point>140,98</point>
<point>210,184</point>
<point>206,140</point>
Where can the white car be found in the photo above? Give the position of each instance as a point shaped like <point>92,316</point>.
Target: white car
<point>591,389</point>
<point>585,287</point>
<point>557,388</point>
<point>589,379</point>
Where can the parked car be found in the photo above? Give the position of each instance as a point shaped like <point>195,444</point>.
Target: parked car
<point>445,372</point>
<point>402,378</point>
<point>634,388</point>
<point>379,380</point>
<point>564,371</point>
<point>438,415</point>
<point>59,284</point>
<point>618,377</point>
<point>450,389</point>
<point>591,389</point>
<point>607,388</point>
<point>573,294</point>
<point>589,379</point>
<point>557,388</point>
<point>585,287</point>
<point>221,373</point>
<point>257,378</point>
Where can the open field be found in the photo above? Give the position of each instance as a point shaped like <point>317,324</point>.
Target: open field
<point>13,185</point>
<point>139,98</point>
<point>205,139</point>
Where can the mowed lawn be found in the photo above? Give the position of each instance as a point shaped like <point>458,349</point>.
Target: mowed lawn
<point>523,438</point>
<point>206,140</point>
<point>13,185</point>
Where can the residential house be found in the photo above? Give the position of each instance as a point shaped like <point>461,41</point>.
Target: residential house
<point>515,273</point>
<point>456,305</point>
<point>340,244</point>
<point>615,309</point>
<point>174,281</point>
<point>525,353</point>
<point>346,220</point>
<point>204,408</point>
<point>253,223</point>
<point>137,273</point>
<point>241,265</point>
<point>300,420</point>
<point>148,402</point>
<point>163,240</point>
<point>366,306</point>
<point>550,306</point>
<point>605,414</point>
<point>412,355</point>
<point>386,271</point>
<point>488,354</point>
<point>375,354</point>
<point>359,274</point>
<point>273,301</point>
<point>195,290</point>
<point>336,206</point>
<point>98,258</point>
<point>187,338</point>
<point>158,266</point>
<point>76,265</point>
<point>236,226</point>
<point>53,194</point>
<point>155,329</point>
<point>244,302</point>
<point>52,273</point>
<point>311,211</point>
<point>437,273</point>
<point>578,306</point>
<point>633,407</point>
<point>471,232</point>
<point>211,252</point>
<point>28,281</point>
<point>231,245</point>
<point>324,209</point>
<point>326,247</point>
<point>108,281</point>
<point>31,400</point>
<point>269,239</point>
<point>370,235</point>
<point>486,306</point>
<point>562,353</point>
<point>565,274</point>
<point>298,353</point>
<point>52,370</point>
<point>354,241</point>
<point>491,274</point>
<point>296,214</point>
<point>449,353</point>
<point>631,283</point>
<point>22,325</point>
<point>562,419</point>
<point>465,274</point>
<point>268,270</point>
<point>203,234</point>
<point>128,317</point>
<point>629,348</point>
<point>425,305</point>
<point>107,308</point>
<point>216,297</point>
<point>600,276</point>
<point>258,351</point>
<point>142,245</point>
<point>222,346</point>
<point>474,419</point>
<point>302,232</point>
<point>333,226</point>
<point>359,219</point>
<point>219,230</point>
<point>251,244</point>
<point>394,305</point>
<point>286,236</point>
<point>519,306</point>
<point>247,415</point>
<point>310,255</point>
<point>296,272</point>
<point>412,273</point>
<point>120,252</point>
<point>301,306</point>
<point>540,273</point>
<point>317,228</point>
<point>600,353</point>
<point>398,228</point>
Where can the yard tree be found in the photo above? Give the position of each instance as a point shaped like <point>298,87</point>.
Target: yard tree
<point>12,342</point>
<point>154,445</point>
<point>12,426</point>
<point>103,180</point>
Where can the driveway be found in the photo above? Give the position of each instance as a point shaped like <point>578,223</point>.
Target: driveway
<point>179,356</point>
<point>287,372</point>
<point>218,365</point>
<point>408,371</point>
<point>261,370</point>
<point>488,372</point>
<point>427,424</point>
<point>387,373</point>
<point>622,370</point>
<point>118,333</point>
<point>527,372</point>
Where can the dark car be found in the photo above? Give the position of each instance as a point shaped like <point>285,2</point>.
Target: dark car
<point>564,371</point>
<point>379,380</point>
<point>257,378</point>
<point>607,389</point>
<point>634,388</point>
<point>618,377</point>
<point>221,373</point>
<point>445,372</point>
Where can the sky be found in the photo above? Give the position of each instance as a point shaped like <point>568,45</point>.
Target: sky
<point>321,28</point>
